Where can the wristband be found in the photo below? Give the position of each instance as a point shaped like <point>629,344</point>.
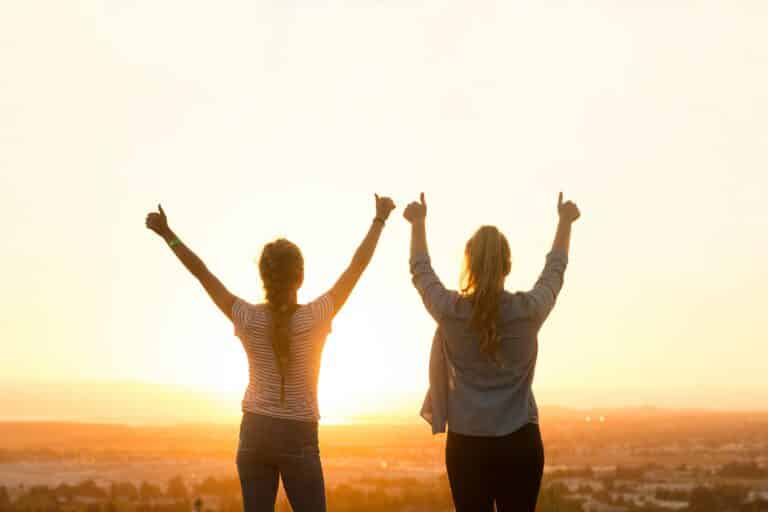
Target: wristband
<point>173,243</point>
<point>379,219</point>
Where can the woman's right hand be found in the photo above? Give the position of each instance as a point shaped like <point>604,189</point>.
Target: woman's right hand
<point>567,211</point>
<point>416,211</point>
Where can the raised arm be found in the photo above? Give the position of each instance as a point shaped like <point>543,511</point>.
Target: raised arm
<point>437,299</point>
<point>158,222</point>
<point>568,212</point>
<point>545,291</point>
<point>416,214</point>
<point>349,278</point>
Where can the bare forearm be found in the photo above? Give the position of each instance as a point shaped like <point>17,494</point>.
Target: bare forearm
<point>157,222</point>
<point>189,259</point>
<point>362,257</point>
<point>364,252</point>
<point>360,260</point>
<point>418,237</point>
<point>562,240</point>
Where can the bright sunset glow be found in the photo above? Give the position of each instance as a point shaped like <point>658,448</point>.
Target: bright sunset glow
<point>253,121</point>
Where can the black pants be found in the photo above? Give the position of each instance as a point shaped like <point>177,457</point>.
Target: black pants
<point>502,470</point>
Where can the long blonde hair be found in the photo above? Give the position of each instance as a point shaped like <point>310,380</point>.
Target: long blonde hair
<point>487,262</point>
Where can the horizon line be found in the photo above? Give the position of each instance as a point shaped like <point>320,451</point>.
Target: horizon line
<point>364,420</point>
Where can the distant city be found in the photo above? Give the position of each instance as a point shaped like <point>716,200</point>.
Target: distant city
<point>596,461</point>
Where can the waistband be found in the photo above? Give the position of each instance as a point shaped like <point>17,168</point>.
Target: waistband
<point>273,423</point>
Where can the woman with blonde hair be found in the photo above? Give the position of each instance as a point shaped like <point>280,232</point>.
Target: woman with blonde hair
<point>283,341</point>
<point>482,364</point>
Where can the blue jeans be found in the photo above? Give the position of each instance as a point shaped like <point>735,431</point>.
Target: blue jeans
<point>273,448</point>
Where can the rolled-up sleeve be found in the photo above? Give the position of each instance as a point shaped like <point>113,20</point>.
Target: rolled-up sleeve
<point>436,298</point>
<point>544,293</point>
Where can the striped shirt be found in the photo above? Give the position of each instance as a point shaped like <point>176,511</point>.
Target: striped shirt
<point>310,326</point>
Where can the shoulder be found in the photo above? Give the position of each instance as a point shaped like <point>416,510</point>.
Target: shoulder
<point>320,309</point>
<point>518,305</point>
<point>244,311</point>
<point>456,305</point>
<point>317,314</point>
<point>458,299</point>
<point>244,305</point>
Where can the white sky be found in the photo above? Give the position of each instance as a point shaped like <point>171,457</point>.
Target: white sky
<point>250,120</point>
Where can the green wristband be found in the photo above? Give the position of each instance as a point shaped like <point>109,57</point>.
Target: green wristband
<point>174,242</point>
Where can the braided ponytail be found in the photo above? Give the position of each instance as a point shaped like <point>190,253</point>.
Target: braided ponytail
<point>282,270</point>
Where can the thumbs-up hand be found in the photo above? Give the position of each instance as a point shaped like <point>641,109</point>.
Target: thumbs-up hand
<point>157,221</point>
<point>384,206</point>
<point>416,211</point>
<point>568,211</point>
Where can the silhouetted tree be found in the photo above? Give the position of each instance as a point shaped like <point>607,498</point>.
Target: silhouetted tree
<point>90,489</point>
<point>223,487</point>
<point>124,490</point>
<point>552,499</point>
<point>149,491</point>
<point>5,499</point>
<point>37,499</point>
<point>720,499</point>
<point>743,470</point>
<point>177,488</point>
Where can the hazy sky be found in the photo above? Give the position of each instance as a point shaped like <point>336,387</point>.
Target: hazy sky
<point>251,120</point>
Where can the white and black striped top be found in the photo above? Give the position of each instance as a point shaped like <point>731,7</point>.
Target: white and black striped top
<point>310,326</point>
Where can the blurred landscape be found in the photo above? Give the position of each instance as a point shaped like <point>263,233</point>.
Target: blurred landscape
<point>642,459</point>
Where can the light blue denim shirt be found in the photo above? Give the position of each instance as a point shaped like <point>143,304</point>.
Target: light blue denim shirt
<point>468,392</point>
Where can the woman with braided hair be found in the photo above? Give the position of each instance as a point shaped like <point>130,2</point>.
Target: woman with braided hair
<point>283,341</point>
<point>482,364</point>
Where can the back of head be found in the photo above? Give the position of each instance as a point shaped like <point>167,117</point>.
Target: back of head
<point>487,262</point>
<point>281,266</point>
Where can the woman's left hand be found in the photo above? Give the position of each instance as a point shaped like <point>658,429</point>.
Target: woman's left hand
<point>158,222</point>
<point>384,206</point>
